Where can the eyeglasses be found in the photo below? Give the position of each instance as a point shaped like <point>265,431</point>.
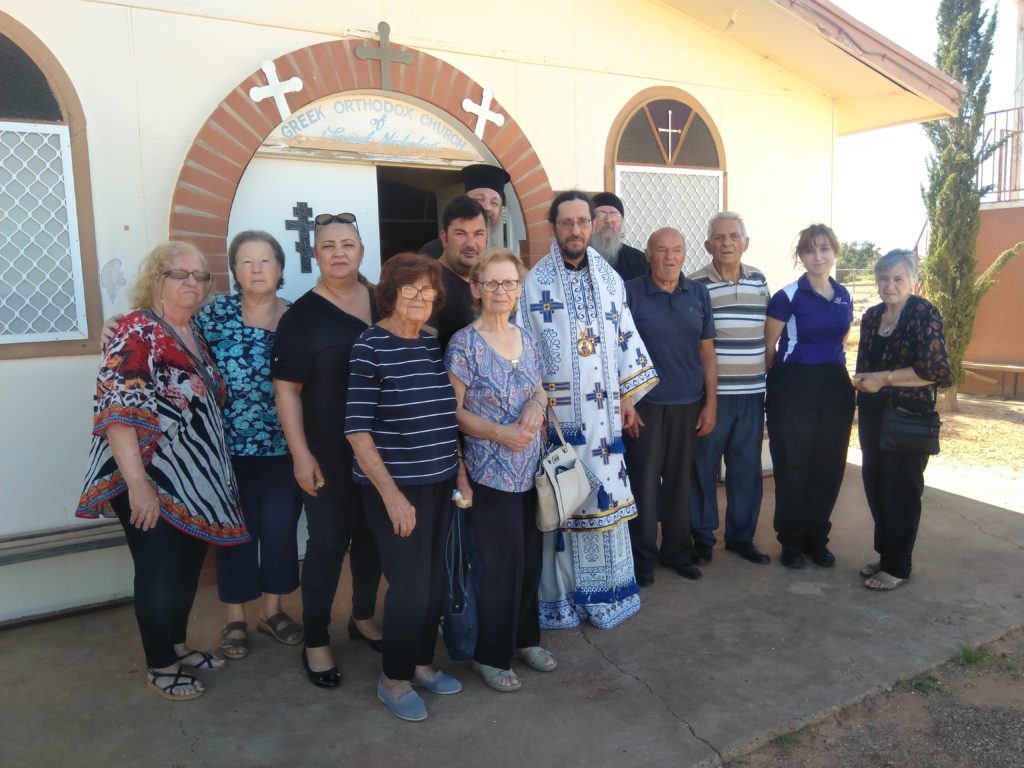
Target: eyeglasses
<point>335,218</point>
<point>492,285</point>
<point>411,292</point>
<point>571,223</point>
<point>609,215</point>
<point>183,274</point>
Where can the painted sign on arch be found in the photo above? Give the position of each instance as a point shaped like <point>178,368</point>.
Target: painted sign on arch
<point>374,125</point>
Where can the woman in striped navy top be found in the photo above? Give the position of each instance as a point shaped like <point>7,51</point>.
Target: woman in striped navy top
<point>400,420</point>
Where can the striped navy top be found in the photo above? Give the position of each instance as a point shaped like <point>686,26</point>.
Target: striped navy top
<point>399,392</point>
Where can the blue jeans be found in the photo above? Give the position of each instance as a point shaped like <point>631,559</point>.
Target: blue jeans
<point>737,436</point>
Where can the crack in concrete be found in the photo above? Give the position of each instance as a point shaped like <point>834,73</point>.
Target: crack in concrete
<point>654,693</point>
<point>193,742</point>
<point>982,528</point>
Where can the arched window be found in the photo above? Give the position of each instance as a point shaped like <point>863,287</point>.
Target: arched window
<point>665,161</point>
<point>46,271</point>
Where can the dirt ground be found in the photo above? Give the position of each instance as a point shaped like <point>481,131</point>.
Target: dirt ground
<point>968,711</point>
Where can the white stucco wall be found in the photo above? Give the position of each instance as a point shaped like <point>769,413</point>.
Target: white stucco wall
<point>148,77</point>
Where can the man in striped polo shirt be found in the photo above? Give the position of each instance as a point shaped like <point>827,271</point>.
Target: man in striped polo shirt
<point>739,300</point>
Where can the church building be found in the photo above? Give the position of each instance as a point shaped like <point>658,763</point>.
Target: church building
<point>124,123</point>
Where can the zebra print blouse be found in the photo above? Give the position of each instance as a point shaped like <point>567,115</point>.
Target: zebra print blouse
<point>148,381</point>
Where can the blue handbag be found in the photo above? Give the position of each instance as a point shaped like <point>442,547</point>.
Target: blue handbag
<point>460,624</point>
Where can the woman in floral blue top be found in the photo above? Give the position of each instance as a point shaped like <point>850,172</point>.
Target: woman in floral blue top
<point>240,330</point>
<point>496,373</point>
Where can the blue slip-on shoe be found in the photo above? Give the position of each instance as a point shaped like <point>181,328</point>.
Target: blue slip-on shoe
<point>409,706</point>
<point>442,683</point>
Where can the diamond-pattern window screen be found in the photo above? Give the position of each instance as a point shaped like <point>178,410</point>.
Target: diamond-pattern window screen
<point>41,293</point>
<point>670,197</point>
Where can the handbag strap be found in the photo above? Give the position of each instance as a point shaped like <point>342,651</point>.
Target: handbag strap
<point>558,427</point>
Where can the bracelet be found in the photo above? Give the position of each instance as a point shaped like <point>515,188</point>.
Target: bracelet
<point>889,378</point>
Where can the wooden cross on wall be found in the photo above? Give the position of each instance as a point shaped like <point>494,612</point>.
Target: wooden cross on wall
<point>385,54</point>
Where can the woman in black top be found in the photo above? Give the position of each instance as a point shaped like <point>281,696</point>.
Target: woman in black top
<point>901,361</point>
<point>310,372</point>
<point>400,419</point>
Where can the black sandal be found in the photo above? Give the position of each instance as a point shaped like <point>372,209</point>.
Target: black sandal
<point>178,680</point>
<point>235,648</point>
<point>281,627</point>
<point>206,661</point>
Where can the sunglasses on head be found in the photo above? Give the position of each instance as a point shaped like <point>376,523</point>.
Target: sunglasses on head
<point>335,218</point>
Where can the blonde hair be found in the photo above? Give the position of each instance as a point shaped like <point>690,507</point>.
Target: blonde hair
<point>495,255</point>
<point>146,291</point>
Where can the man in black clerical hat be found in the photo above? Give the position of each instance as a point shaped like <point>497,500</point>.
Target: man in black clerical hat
<point>606,237</point>
<point>485,184</point>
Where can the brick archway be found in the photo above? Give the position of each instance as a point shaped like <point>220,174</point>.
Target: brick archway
<point>214,165</point>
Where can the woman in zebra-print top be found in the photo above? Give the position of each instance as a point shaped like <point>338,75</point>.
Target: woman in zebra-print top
<point>160,460</point>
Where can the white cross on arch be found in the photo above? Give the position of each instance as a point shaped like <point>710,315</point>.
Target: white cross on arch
<point>483,112</point>
<point>670,130</point>
<point>275,88</point>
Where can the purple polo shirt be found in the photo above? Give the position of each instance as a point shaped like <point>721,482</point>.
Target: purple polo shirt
<point>672,326</point>
<point>815,327</point>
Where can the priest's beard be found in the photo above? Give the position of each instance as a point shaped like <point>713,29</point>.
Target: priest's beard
<point>495,234</point>
<point>607,242</point>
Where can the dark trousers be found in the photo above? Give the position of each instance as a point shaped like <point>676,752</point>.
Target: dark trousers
<point>167,565</point>
<point>336,521</point>
<point>738,434</point>
<point>415,570</point>
<point>660,462</point>
<point>271,506</point>
<point>893,484</point>
<point>508,559</point>
<point>809,410</point>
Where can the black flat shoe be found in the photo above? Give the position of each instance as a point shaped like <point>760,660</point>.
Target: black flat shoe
<point>749,552</point>
<point>329,678</point>
<point>355,634</point>
<point>688,571</point>
<point>644,578</point>
<point>702,554</point>
<point>792,557</point>
<point>822,557</point>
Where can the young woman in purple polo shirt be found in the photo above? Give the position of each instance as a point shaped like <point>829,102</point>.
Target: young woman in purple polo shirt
<point>809,401</point>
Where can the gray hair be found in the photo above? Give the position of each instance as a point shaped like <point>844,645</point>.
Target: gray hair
<point>727,216</point>
<point>895,258</point>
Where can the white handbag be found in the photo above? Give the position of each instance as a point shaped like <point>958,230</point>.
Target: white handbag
<point>562,482</point>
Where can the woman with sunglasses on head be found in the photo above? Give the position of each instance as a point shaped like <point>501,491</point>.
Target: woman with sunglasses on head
<point>496,372</point>
<point>159,458</point>
<point>310,369</point>
<point>400,420</point>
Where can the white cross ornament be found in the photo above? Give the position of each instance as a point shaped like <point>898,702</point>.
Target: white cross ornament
<point>483,113</point>
<point>275,89</point>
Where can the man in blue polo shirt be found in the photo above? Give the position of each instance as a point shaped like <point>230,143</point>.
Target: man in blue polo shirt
<point>674,319</point>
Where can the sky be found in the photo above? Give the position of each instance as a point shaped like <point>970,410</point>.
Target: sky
<point>879,174</point>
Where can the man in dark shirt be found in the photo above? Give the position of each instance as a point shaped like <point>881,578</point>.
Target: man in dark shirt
<point>463,239</point>
<point>606,238</point>
<point>486,185</point>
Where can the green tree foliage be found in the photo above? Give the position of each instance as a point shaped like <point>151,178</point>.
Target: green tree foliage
<point>952,197</point>
<point>858,255</point>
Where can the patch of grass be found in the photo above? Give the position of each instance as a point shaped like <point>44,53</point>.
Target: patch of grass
<point>787,741</point>
<point>925,684</point>
<point>967,656</point>
<point>1013,670</point>
<point>877,756</point>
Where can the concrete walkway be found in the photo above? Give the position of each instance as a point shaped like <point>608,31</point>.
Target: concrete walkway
<point>705,671</point>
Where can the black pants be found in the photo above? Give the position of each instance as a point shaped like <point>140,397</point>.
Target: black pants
<point>414,568</point>
<point>893,484</point>
<point>809,411</point>
<point>336,522</point>
<point>508,549</point>
<point>660,464</point>
<point>271,505</point>
<point>167,565</point>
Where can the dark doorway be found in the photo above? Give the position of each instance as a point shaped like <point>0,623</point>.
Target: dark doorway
<point>410,201</point>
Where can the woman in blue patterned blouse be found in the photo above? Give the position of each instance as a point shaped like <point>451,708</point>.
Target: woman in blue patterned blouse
<point>496,373</point>
<point>240,330</point>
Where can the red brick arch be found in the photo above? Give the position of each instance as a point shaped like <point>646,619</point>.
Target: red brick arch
<point>213,168</point>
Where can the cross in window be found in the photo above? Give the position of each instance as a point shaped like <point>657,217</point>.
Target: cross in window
<point>670,130</point>
<point>385,54</point>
